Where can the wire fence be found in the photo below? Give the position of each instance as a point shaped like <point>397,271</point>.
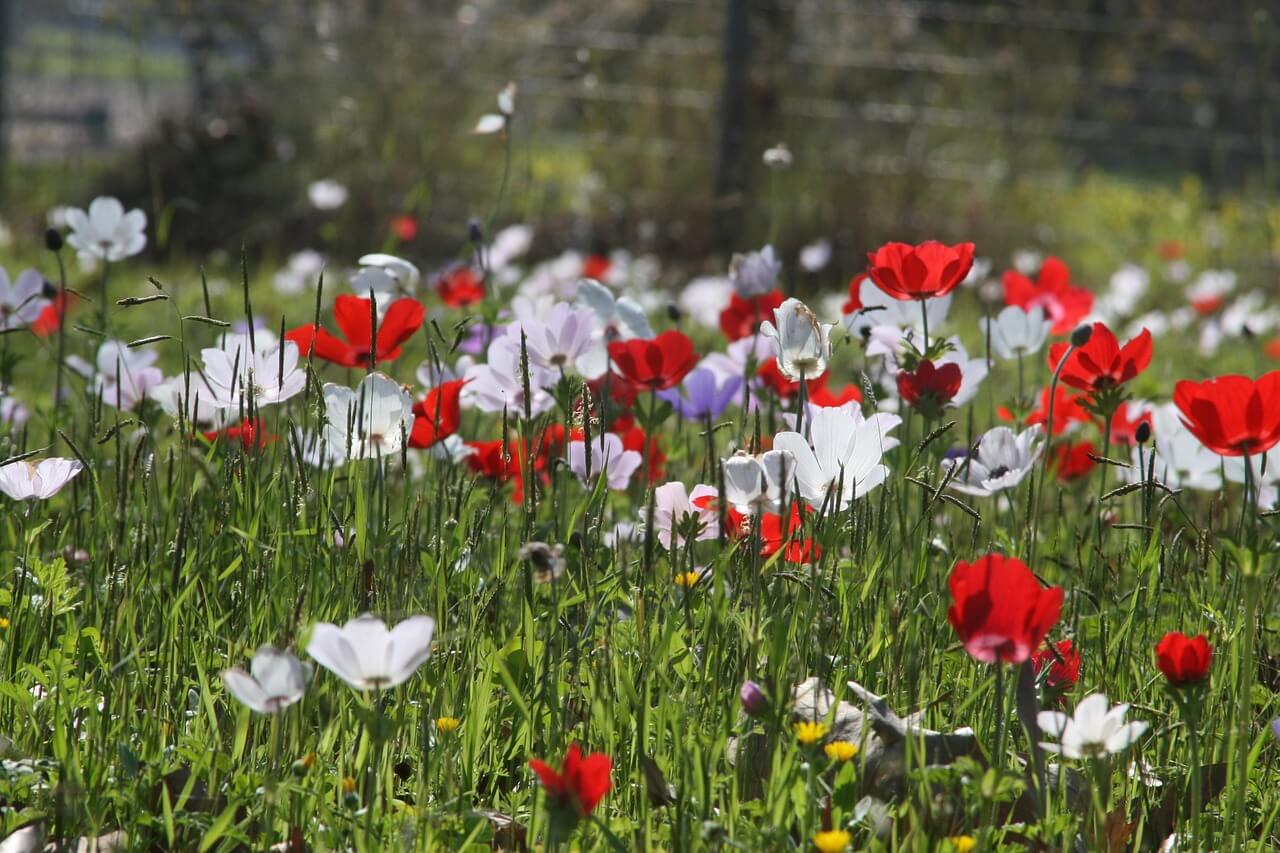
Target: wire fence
<point>978,94</point>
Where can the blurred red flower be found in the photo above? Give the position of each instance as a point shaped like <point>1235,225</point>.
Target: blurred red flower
<point>743,315</point>
<point>580,786</point>
<point>460,287</point>
<point>251,434</point>
<point>1063,660</point>
<point>1072,461</point>
<point>919,272</point>
<point>1232,415</point>
<point>1000,610</point>
<point>1052,290</point>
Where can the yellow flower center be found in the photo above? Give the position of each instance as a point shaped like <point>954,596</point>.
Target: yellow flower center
<point>444,725</point>
<point>962,843</point>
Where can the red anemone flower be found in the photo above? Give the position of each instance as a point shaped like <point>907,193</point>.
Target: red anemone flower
<point>352,314</point>
<point>775,537</point>
<point>656,364</point>
<point>436,417</point>
<point>854,302</point>
<point>1052,290</point>
<point>1073,461</point>
<point>919,272</point>
<point>930,384</point>
<point>1000,610</point>
<point>251,434</point>
<point>460,287</point>
<point>50,317</point>
<point>1232,415</point>
<point>1102,363</point>
<point>742,316</point>
<point>1184,660</point>
<point>596,266</point>
<point>580,786</point>
<point>1063,660</point>
<point>405,227</point>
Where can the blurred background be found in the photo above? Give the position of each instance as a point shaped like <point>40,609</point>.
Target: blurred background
<point>1104,130</point>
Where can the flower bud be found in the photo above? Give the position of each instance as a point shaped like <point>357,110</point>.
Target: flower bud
<point>475,231</point>
<point>753,699</point>
<point>1143,432</point>
<point>1081,335</point>
<point>53,240</point>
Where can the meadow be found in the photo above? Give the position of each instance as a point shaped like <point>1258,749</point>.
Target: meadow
<point>520,552</point>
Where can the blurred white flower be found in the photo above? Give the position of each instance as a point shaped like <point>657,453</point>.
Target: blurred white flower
<point>560,338</point>
<point>22,301</point>
<point>1001,461</point>
<point>1126,287</point>
<point>367,656</point>
<point>777,157</point>
<point>756,483</point>
<point>327,194</point>
<point>1093,731</point>
<point>38,479</point>
<point>1015,332</point>
<point>123,377</point>
<point>494,122</point>
<point>370,421</point>
<point>275,680</point>
<point>755,273</point>
<point>704,298</point>
<point>300,272</point>
<point>382,273</point>
<point>106,232</point>
<point>507,245</point>
<point>499,383</point>
<point>815,256</point>
<point>802,344</point>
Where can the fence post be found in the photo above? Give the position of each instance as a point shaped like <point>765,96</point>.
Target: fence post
<point>730,172</point>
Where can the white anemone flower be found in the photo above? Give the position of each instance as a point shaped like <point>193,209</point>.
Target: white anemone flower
<point>22,301</point>
<point>369,421</point>
<point>1015,332</point>
<point>879,309</point>
<point>275,680</point>
<point>704,298</point>
<point>841,458</point>
<point>758,483</point>
<point>302,269</point>
<point>1000,462</point>
<point>1093,731</point>
<point>620,317</point>
<point>123,377</point>
<point>801,344</point>
<point>106,232</point>
<point>559,338</point>
<point>37,479</point>
<point>366,655</point>
<point>674,506</point>
<point>607,455</point>
<point>239,370</point>
<point>499,383</point>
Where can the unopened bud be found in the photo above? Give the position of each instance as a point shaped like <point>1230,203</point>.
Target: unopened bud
<point>1081,335</point>
<point>53,240</point>
<point>475,231</point>
<point>753,699</point>
<point>1143,432</point>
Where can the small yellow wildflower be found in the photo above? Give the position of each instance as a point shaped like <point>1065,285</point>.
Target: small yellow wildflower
<point>962,843</point>
<point>308,760</point>
<point>808,733</point>
<point>687,579</point>
<point>445,725</point>
<point>832,841</point>
<point>840,750</point>
<point>348,785</point>
<point>4,623</point>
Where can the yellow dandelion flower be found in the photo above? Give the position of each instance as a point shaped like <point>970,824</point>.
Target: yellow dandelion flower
<point>840,750</point>
<point>687,579</point>
<point>4,623</point>
<point>348,785</point>
<point>308,760</point>
<point>832,841</point>
<point>445,725</point>
<point>808,733</point>
<point>962,843</point>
